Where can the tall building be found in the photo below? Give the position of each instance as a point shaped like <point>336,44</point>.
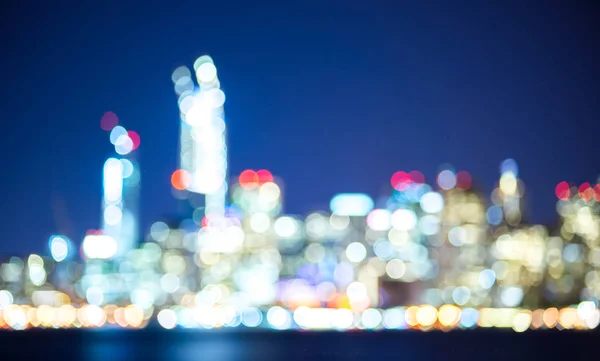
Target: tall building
<point>121,182</point>
<point>463,278</point>
<point>203,150</point>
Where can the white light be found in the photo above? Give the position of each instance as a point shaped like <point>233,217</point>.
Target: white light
<point>59,248</point>
<point>95,315</point>
<point>94,296</point>
<point>37,274</point>
<point>279,318</point>
<point>214,97</point>
<point>349,204</point>
<point>99,246</point>
<point>461,295</point>
<point>395,269</point>
<point>356,252</point>
<point>6,299</point>
<point>371,318</point>
<point>142,297</point>
<point>113,180</point>
<point>432,202</point>
<point>260,222</point>
<point>169,282</point>
<point>206,72</point>
<point>285,227</point>
<point>394,318</point>
<point>356,292</point>
<point>343,319</point>
<point>180,72</point>
<point>112,215</point>
<point>487,277</point>
<point>127,168</point>
<point>429,225</point>
<point>123,145</point>
<point>269,192</point>
<point>251,317</point>
<point>457,236</point>
<point>511,296</point>
<point>404,219</point>
<point>586,309</point>
<point>446,179</point>
<point>116,132</point>
<point>159,231</point>
<point>379,220</point>
<point>167,319</point>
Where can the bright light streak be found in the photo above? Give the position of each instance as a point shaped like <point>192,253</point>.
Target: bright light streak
<point>59,248</point>
<point>351,204</point>
<point>99,246</point>
<point>113,180</point>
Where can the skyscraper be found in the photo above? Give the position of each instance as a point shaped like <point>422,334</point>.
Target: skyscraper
<point>203,150</point>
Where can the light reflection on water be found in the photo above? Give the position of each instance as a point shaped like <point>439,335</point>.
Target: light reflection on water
<point>177,345</point>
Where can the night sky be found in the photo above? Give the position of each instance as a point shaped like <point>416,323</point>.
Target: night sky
<point>330,98</point>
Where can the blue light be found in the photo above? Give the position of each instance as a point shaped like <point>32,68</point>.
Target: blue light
<point>351,204</point>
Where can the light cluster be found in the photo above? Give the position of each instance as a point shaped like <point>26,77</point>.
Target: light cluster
<point>420,256</point>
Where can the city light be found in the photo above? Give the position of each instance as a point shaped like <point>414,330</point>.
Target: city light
<point>436,256</point>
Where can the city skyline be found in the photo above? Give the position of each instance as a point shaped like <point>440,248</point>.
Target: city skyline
<point>411,88</point>
<point>422,256</point>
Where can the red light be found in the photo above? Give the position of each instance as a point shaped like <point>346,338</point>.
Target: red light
<point>463,180</point>
<point>400,181</point>
<point>585,192</point>
<point>205,221</point>
<point>416,176</point>
<point>264,176</point>
<point>109,121</point>
<point>563,191</point>
<point>135,139</point>
<point>181,179</point>
<point>248,179</point>
<point>597,192</point>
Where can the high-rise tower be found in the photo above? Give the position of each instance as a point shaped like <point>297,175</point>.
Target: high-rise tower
<point>203,150</point>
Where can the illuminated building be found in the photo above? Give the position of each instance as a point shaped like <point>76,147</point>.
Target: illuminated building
<point>414,225</point>
<point>519,266</point>
<point>578,270</point>
<point>352,274</point>
<point>203,150</point>
<point>257,203</point>
<point>462,255</point>
<point>121,179</point>
<point>509,193</point>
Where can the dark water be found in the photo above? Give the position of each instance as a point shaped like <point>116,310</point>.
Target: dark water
<point>229,345</point>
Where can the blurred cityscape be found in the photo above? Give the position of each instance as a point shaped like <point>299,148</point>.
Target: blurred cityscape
<point>423,256</point>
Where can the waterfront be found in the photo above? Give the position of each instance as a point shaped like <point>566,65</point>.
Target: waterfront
<point>225,345</point>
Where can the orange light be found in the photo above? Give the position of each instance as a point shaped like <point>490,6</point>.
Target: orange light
<point>585,192</point>
<point>181,179</point>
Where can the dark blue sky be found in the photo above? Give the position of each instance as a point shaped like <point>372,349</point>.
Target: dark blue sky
<point>330,98</point>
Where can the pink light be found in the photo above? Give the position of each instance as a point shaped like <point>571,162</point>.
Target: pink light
<point>109,121</point>
<point>562,191</point>
<point>135,139</point>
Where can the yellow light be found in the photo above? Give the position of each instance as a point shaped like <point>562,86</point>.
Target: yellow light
<point>134,315</point>
<point>567,318</point>
<point>427,315</point>
<point>550,317</point>
<point>508,183</point>
<point>449,315</point>
<point>411,316</point>
<point>522,321</point>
